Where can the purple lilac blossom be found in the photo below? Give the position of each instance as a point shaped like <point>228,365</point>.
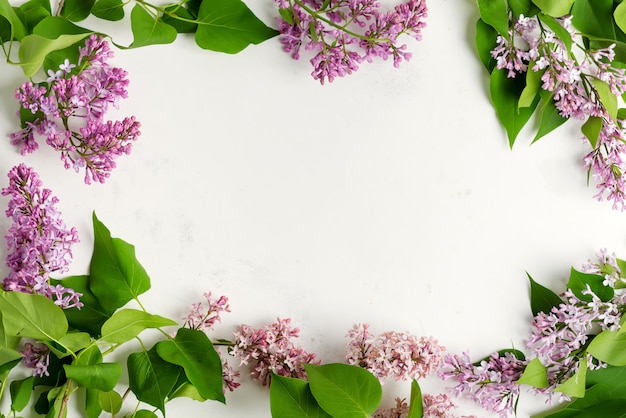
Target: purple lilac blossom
<point>37,357</point>
<point>38,242</point>
<point>395,355</point>
<point>79,94</point>
<point>571,81</point>
<point>344,33</point>
<point>270,349</point>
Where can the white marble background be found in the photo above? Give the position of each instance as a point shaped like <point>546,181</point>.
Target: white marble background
<point>389,197</point>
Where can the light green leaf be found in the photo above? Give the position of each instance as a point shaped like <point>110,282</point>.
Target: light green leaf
<point>343,390</point>
<point>619,14</point>
<point>92,403</point>
<point>591,129</point>
<point>112,10</point>
<point>608,99</point>
<point>116,276</point>
<point>609,347</point>
<point>535,375</point>
<point>495,13</point>
<point>194,352</point>
<point>34,48</point>
<point>560,32</point>
<point>229,26</point>
<point>187,390</point>
<point>9,358</point>
<point>21,391</point>
<point>533,85</point>
<point>151,378</point>
<point>102,376</point>
<point>292,398</point>
<point>144,413</point>
<point>70,343</point>
<point>575,385</point>
<point>110,401</point>
<point>555,8</point>
<point>416,408</point>
<point>126,324</point>
<point>32,316</point>
<point>149,31</point>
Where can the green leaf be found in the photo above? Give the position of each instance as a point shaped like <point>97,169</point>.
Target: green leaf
<point>144,413</point>
<point>172,15</point>
<point>556,8</point>
<point>542,299</point>
<point>485,42</point>
<point>21,391</point>
<point>229,26</point>
<point>533,85</point>
<point>34,49</point>
<point>522,7</point>
<point>607,98</point>
<point>343,390</point>
<point>126,324</point>
<point>112,10</point>
<point>110,401</point>
<point>495,13</point>
<point>609,347</point>
<point>560,32</point>
<point>32,316</point>
<point>550,118</point>
<point>416,409</point>
<point>9,358</point>
<point>598,395</point>
<point>76,10</point>
<point>92,403</point>
<point>594,18</point>
<point>505,93</point>
<point>591,129</point>
<point>535,375</point>
<point>193,350</point>
<point>31,13</point>
<point>575,385</point>
<point>186,390</point>
<point>70,343</point>
<point>292,398</point>
<point>151,378</point>
<point>90,355</point>
<point>149,31</point>
<point>18,29</point>
<point>619,14</point>
<point>103,376</point>
<point>116,276</point>
<point>578,283</point>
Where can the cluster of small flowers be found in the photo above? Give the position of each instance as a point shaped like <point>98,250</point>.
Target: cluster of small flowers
<point>531,44</point>
<point>394,355</point>
<point>79,92</point>
<point>329,28</point>
<point>270,349</point>
<point>37,357</point>
<point>439,406</point>
<point>492,383</point>
<point>38,242</point>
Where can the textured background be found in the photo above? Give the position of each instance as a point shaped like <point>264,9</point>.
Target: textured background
<point>389,197</point>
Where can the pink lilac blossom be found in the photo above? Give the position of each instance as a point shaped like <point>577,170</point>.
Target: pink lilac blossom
<point>344,33</point>
<point>270,349</point>
<point>79,94</point>
<point>395,355</point>
<point>573,84</point>
<point>492,383</point>
<point>203,317</point>
<point>38,242</point>
<point>36,357</point>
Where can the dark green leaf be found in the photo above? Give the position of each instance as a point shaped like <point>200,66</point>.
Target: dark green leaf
<point>416,408</point>
<point>17,27</point>
<point>292,398</point>
<point>501,353</point>
<point>151,378</point>
<point>32,13</point>
<point>495,14</point>
<point>485,42</point>
<point>149,31</point>
<point>193,350</point>
<point>597,395</point>
<point>116,276</point>
<point>110,401</point>
<point>343,390</point>
<point>21,391</point>
<point>542,299</point>
<point>53,26</point>
<point>522,7</point>
<point>33,316</point>
<point>102,376</point>
<point>556,8</point>
<point>505,93</point>
<point>112,10</point>
<point>578,283</point>
<point>229,26</point>
<point>591,129</point>
<point>76,10</point>
<point>594,17</point>
<point>177,17</point>
<point>126,324</point>
<point>549,115</point>
<point>560,32</point>
<point>92,403</point>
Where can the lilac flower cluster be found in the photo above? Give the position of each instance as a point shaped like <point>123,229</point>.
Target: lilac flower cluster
<point>572,82</point>
<point>492,383</point>
<point>38,242</point>
<point>37,357</point>
<point>394,355</point>
<point>270,349</point>
<point>79,94</point>
<point>434,406</point>
<point>344,33</point>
